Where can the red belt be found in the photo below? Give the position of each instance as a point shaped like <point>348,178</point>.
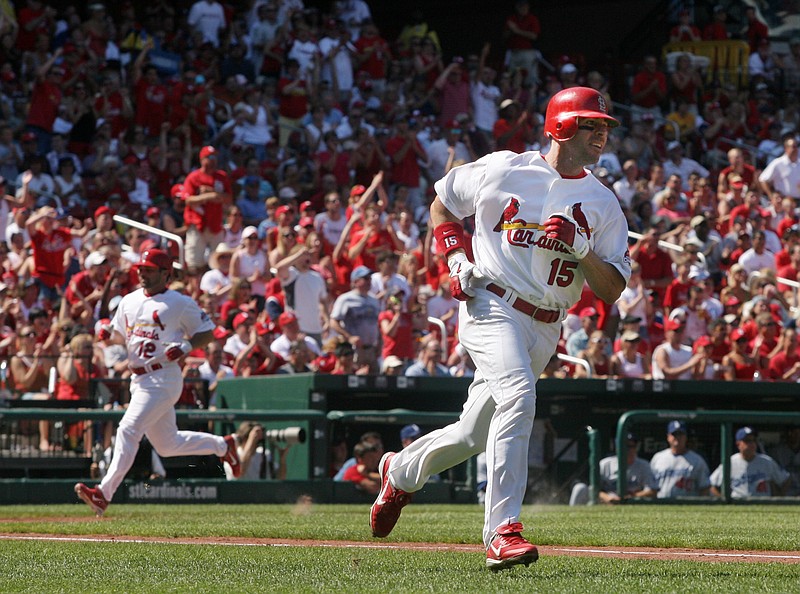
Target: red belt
<point>142,370</point>
<point>548,316</point>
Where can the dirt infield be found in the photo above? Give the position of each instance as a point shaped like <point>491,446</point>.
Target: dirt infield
<point>705,555</point>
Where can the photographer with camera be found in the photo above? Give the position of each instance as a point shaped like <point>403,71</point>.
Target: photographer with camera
<point>257,461</point>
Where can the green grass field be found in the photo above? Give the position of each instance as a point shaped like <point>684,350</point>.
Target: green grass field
<point>50,566</point>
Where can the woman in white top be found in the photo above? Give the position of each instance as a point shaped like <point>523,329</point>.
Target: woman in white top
<point>628,361</point>
<point>69,185</point>
<point>255,130</point>
<point>250,262</point>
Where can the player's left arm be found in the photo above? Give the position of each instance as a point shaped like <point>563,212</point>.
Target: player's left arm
<point>201,339</point>
<point>604,278</point>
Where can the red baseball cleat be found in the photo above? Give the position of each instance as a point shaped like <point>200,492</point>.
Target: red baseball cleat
<point>508,548</point>
<point>92,497</point>
<point>232,456</point>
<point>390,502</point>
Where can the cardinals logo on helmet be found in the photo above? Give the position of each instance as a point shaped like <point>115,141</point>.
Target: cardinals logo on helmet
<point>580,219</point>
<point>508,215</point>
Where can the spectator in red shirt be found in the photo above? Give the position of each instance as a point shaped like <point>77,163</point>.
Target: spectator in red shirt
<point>521,31</point>
<point>373,55</point>
<point>45,100</point>
<point>49,242</point>
<point>33,20</point>
<point>716,30</point>
<point>405,152</point>
<point>396,324</point>
<point>454,95</point>
<point>150,93</point>
<point>206,191</point>
<point>364,473</point>
<point>86,288</point>
<point>791,270</point>
<point>293,92</point>
<point>372,239</point>
<point>649,88</point>
<point>785,365</point>
<point>655,263</point>
<point>685,30</point>
<point>512,130</point>
<point>756,30</point>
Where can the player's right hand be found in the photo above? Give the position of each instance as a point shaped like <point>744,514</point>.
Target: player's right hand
<point>462,271</point>
<point>564,228</point>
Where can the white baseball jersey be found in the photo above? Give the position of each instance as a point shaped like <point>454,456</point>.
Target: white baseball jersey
<point>515,194</point>
<point>751,479</point>
<point>149,323</point>
<point>681,474</point>
<point>639,474</point>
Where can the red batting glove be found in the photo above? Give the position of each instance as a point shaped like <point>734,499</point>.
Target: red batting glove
<point>564,228</point>
<point>176,350</point>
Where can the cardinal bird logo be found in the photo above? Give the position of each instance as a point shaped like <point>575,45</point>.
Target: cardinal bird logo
<point>508,214</point>
<point>580,218</point>
<point>157,320</point>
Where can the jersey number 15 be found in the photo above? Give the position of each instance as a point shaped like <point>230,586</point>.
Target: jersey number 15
<point>562,272</point>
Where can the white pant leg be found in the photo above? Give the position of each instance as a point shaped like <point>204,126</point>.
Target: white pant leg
<point>511,350</point>
<point>153,398</point>
<point>168,441</point>
<point>439,450</point>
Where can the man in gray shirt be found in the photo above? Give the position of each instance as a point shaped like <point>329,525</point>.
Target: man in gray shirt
<point>355,316</point>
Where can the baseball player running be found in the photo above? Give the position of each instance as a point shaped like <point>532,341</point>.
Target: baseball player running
<point>543,225</point>
<point>155,322</point>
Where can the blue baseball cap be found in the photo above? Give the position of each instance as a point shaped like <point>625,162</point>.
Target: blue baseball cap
<point>675,427</point>
<point>410,432</point>
<point>360,272</point>
<point>744,432</point>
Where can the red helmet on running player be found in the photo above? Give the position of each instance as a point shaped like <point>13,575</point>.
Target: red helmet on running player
<point>565,107</point>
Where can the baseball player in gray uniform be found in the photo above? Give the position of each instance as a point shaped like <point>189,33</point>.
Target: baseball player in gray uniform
<point>752,474</point>
<point>679,470</point>
<point>543,225</point>
<point>154,321</point>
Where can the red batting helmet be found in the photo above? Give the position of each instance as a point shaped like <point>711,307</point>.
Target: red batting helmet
<point>155,258</point>
<point>565,107</point>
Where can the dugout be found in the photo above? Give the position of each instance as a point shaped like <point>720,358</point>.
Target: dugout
<point>565,409</point>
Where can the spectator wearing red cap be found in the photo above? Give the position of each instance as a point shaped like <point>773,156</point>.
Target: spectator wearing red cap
<point>207,191</point>
<point>290,332</point>
<point>785,365</point>
<point>242,324</point>
<point>579,340</point>
<point>672,359</point>
<point>738,364</point>
<point>306,292</point>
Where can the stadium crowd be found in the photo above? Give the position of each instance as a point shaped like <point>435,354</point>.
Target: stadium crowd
<point>294,150</point>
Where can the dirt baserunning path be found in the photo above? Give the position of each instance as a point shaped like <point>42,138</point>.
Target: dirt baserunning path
<point>717,556</point>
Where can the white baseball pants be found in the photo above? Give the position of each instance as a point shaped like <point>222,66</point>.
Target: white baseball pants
<point>510,350</point>
<point>151,412</point>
